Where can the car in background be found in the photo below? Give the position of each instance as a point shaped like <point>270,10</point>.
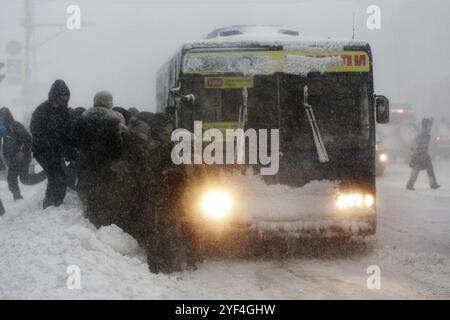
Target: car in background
<point>440,146</point>
<point>401,113</point>
<point>398,136</point>
<point>382,159</point>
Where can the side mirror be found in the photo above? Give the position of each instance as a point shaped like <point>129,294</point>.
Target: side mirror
<point>381,109</point>
<point>175,92</point>
<point>189,98</point>
<point>178,97</point>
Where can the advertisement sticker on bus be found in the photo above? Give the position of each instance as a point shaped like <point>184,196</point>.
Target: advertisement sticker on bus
<point>228,82</point>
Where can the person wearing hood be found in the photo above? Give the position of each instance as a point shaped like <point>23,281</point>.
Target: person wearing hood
<point>421,159</point>
<point>16,146</point>
<point>52,144</point>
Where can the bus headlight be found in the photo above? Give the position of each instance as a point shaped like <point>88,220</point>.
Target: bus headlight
<point>383,157</point>
<point>357,200</point>
<point>216,204</point>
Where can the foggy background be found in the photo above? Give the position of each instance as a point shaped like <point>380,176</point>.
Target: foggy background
<point>123,43</point>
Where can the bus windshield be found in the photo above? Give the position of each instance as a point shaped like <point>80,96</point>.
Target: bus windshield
<point>340,102</point>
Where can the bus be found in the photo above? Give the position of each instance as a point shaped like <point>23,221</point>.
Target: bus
<point>317,94</point>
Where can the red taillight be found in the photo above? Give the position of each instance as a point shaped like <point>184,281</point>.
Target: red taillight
<point>438,138</point>
<point>398,110</point>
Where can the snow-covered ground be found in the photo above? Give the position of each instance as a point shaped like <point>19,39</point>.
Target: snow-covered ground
<point>411,247</point>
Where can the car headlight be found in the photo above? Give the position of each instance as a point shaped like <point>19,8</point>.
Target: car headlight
<point>357,200</point>
<point>216,204</point>
<point>383,157</point>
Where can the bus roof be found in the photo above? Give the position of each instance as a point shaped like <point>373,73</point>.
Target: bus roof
<point>275,37</point>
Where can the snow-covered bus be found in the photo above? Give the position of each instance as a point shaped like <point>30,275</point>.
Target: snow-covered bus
<point>319,94</point>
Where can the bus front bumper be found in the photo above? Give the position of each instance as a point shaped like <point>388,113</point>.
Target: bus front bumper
<point>335,224</point>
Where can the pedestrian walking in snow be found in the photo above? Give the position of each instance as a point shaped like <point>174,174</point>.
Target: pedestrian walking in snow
<point>421,159</point>
<point>52,146</point>
<point>16,150</point>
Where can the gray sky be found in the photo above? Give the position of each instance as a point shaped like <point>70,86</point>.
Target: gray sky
<point>123,43</point>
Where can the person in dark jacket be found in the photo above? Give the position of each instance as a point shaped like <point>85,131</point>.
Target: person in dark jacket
<point>100,145</point>
<point>134,174</point>
<point>171,246</point>
<point>16,145</point>
<point>52,146</point>
<point>421,159</point>
<point>114,172</point>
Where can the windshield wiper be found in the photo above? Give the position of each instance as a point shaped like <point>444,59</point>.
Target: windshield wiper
<point>242,123</point>
<point>320,146</point>
<point>243,110</point>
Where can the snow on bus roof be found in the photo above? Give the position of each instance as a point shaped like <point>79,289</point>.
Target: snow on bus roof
<point>286,43</point>
<point>268,36</point>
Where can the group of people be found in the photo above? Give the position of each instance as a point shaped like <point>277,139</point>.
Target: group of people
<point>117,160</point>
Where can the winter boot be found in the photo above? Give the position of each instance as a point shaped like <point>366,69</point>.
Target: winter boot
<point>47,203</point>
<point>57,203</point>
<point>191,265</point>
<point>432,178</point>
<point>412,179</point>
<point>2,208</point>
<point>17,196</point>
<point>153,266</point>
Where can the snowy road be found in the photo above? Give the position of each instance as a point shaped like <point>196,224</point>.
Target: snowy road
<point>411,247</point>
